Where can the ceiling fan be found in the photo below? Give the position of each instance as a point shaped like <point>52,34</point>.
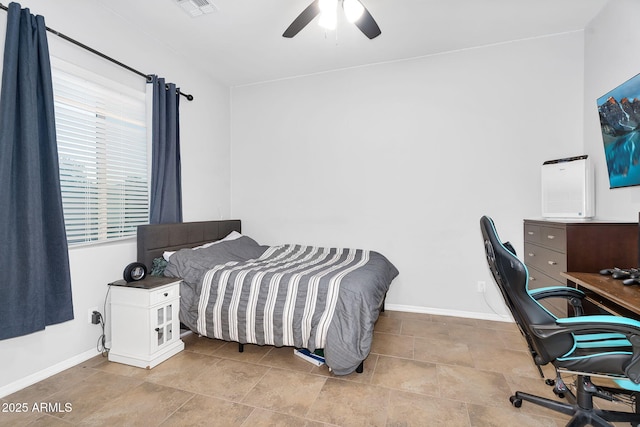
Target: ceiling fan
<point>327,9</point>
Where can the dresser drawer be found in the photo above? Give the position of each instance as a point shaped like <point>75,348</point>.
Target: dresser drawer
<point>538,279</point>
<point>555,238</point>
<point>551,237</point>
<point>532,233</point>
<point>165,294</point>
<point>144,297</point>
<point>550,262</point>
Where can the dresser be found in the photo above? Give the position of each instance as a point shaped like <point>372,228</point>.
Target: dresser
<point>145,328</point>
<point>552,247</point>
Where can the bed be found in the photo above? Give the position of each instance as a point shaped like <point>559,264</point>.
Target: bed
<point>294,295</point>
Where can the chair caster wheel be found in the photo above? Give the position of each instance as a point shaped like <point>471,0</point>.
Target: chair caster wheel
<point>550,382</point>
<point>515,401</point>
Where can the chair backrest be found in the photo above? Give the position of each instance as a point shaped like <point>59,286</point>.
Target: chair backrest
<point>512,278</point>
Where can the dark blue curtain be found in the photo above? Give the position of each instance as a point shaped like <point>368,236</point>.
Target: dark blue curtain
<point>166,186</point>
<point>35,283</point>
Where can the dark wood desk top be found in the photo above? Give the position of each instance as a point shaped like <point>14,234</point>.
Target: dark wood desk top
<point>609,288</point>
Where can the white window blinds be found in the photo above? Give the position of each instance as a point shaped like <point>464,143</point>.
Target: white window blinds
<point>102,149</point>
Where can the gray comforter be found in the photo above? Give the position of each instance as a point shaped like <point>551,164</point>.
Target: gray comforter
<point>288,295</point>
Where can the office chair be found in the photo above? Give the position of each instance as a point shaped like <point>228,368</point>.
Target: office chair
<point>584,346</point>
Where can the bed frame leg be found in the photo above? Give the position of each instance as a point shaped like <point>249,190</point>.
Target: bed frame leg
<point>240,348</point>
<point>360,367</point>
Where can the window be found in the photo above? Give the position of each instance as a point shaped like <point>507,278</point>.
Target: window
<point>102,150</point>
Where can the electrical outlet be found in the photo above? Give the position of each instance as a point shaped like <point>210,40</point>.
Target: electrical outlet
<point>482,286</point>
<point>90,315</point>
<point>97,317</point>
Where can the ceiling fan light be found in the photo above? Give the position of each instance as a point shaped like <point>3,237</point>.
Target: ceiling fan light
<point>328,20</point>
<point>353,10</point>
<point>328,14</point>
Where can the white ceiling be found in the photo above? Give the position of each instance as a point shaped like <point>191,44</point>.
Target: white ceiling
<point>242,42</point>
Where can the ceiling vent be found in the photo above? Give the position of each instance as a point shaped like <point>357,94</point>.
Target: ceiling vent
<point>197,7</point>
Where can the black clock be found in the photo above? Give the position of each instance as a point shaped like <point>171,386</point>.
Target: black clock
<point>134,272</point>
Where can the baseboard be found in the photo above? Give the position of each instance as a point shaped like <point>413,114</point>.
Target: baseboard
<point>443,312</point>
<point>46,373</point>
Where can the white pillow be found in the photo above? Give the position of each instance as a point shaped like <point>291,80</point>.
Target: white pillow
<point>231,236</point>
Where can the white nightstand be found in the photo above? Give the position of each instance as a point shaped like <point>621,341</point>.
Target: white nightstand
<point>145,329</point>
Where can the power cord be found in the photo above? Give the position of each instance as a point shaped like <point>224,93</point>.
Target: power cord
<point>102,340</point>
<point>486,301</point>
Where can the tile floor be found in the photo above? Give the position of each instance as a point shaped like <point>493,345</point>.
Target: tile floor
<point>424,370</point>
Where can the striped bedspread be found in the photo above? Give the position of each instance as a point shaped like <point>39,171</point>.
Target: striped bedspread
<point>286,297</point>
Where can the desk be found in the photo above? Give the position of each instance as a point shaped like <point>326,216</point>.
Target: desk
<point>606,293</point>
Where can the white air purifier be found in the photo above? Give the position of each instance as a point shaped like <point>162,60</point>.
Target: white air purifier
<point>567,188</point>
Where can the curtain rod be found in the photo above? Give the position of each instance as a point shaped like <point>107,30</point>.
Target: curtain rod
<point>102,55</point>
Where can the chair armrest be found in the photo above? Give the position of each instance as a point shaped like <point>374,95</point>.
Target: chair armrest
<point>574,296</point>
<point>601,320</point>
<point>556,292</point>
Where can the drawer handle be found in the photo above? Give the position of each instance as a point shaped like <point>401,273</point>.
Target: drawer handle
<point>532,279</point>
<point>551,237</point>
<point>530,233</point>
<point>157,329</point>
<point>531,254</point>
<point>552,262</point>
<point>166,294</point>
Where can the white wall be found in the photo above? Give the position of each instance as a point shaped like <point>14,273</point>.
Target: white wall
<point>205,137</point>
<point>405,157</point>
<point>611,40</point>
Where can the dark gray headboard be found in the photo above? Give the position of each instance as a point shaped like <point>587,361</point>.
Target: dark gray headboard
<point>154,239</point>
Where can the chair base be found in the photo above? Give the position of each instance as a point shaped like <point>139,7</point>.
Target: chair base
<point>583,413</point>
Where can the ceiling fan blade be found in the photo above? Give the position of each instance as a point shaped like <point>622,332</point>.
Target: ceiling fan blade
<point>303,19</point>
<point>368,25</point>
